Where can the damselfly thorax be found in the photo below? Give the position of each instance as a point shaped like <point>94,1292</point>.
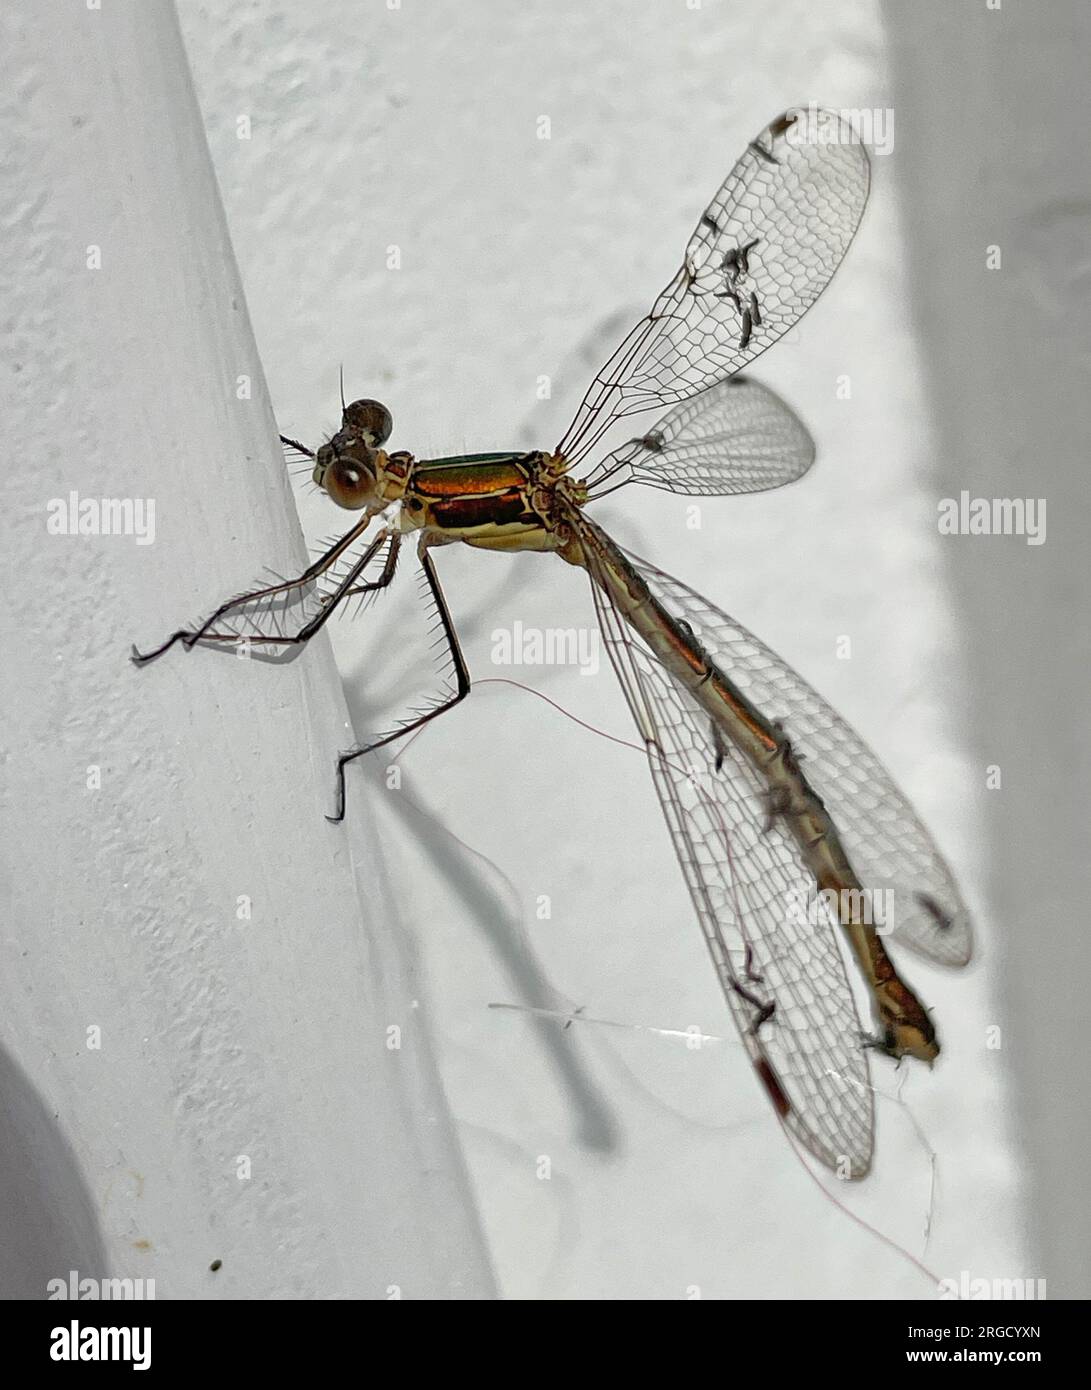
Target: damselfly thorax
<point>790,834</point>
<point>502,502</point>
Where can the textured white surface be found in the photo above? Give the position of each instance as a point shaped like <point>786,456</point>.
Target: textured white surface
<point>520,257</point>
<point>220,1038</point>
<point>989,165</point>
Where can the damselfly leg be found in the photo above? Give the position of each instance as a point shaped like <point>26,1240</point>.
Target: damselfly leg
<point>448,637</point>
<point>189,637</point>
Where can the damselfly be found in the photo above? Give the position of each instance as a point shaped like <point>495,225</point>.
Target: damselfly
<point>788,830</point>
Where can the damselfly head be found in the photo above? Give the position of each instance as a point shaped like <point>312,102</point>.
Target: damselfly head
<point>348,466</point>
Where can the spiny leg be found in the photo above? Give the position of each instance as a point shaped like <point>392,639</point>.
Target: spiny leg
<point>295,444</point>
<point>190,638</point>
<point>349,586</point>
<point>462,684</point>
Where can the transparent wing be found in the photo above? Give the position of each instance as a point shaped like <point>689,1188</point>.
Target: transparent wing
<point>781,970</point>
<point>737,436</point>
<point>764,250</point>
<point>885,840</point>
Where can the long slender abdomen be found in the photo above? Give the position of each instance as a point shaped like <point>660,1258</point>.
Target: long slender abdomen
<point>906,1027</point>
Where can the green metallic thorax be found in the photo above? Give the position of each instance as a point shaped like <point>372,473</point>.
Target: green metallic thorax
<point>496,501</point>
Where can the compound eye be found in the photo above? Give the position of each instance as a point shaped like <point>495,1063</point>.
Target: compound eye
<point>350,484</point>
<point>370,420</point>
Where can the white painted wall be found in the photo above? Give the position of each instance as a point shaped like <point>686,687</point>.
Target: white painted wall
<point>417,127</point>
<point>993,167</point>
<point>150,1038</point>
